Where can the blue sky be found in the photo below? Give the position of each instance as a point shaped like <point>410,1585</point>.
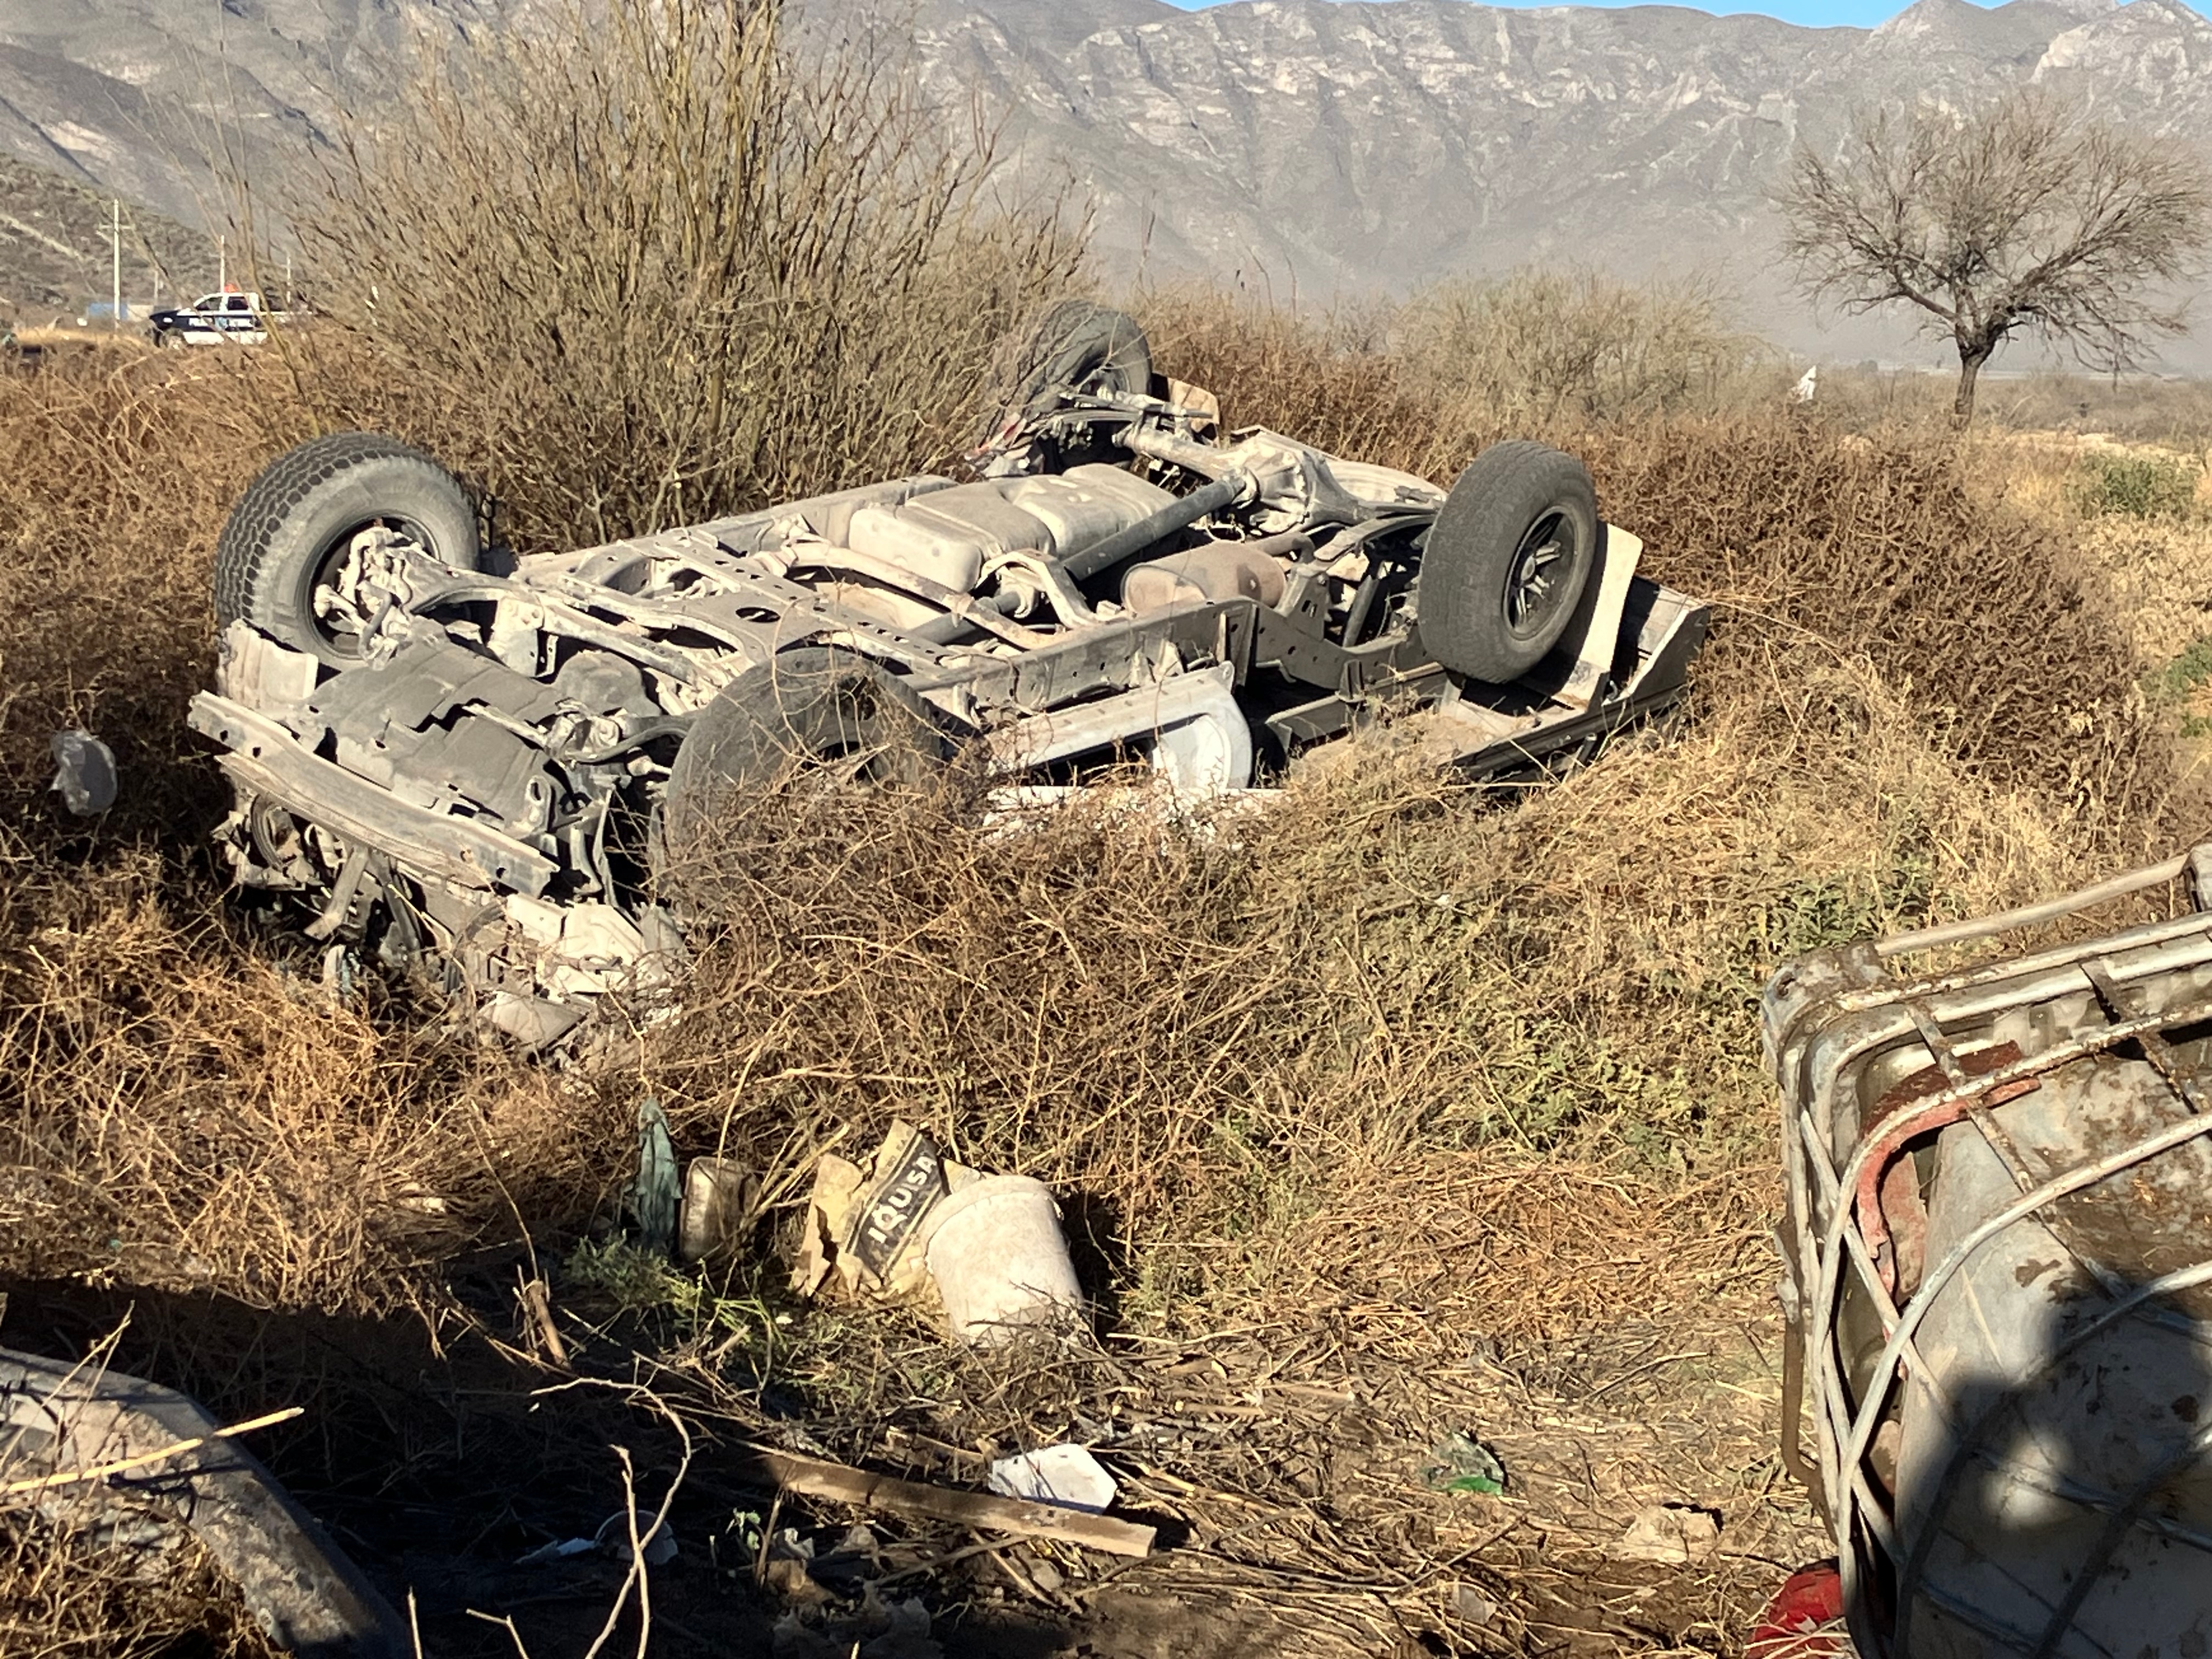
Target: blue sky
<point>1861,14</point>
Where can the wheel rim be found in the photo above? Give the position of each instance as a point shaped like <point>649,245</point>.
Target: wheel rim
<point>1542,565</point>
<point>323,574</point>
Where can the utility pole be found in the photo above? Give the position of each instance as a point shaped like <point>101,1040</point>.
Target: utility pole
<point>115,264</point>
<point>222,265</point>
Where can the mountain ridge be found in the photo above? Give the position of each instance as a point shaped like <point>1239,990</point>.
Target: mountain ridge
<point>1315,146</point>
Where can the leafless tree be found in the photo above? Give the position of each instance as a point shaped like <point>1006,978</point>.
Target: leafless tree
<point>2020,215</point>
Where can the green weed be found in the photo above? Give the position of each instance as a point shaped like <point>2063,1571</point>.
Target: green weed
<point>2137,486</point>
<point>2184,675</point>
<point>638,1281</point>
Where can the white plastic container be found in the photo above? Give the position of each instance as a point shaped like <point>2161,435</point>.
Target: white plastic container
<point>999,1259</point>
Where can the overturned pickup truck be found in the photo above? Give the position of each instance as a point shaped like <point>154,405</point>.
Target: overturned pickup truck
<point>440,758</point>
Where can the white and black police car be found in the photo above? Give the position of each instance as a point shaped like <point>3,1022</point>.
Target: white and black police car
<point>230,318</point>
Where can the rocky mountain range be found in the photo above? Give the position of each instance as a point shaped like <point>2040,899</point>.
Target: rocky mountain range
<point>1314,146</point>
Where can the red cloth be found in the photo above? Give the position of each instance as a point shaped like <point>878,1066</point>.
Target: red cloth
<point>1805,1619</point>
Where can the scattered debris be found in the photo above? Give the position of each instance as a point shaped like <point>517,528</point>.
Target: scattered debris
<point>719,1194</point>
<point>991,1245</point>
<point>1805,1619</point>
<point>882,1629</point>
<point>999,1260</point>
<point>611,1537</point>
<point>788,1576</point>
<point>560,1549</point>
<point>1462,1464</point>
<point>865,1226</point>
<point>1046,1576</point>
<point>61,1427</point>
<point>84,772</point>
<point>655,1198</point>
<point>813,1477</point>
<point>1472,1605</point>
<point>538,1314</point>
<point>1066,1475</point>
<point>1672,1535</point>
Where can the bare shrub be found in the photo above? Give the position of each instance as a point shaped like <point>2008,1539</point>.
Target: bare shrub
<point>655,260</point>
<point>2021,216</point>
<point>183,1111</point>
<point>1889,551</point>
<point>1541,345</point>
<point>1324,377</point>
<point>118,468</point>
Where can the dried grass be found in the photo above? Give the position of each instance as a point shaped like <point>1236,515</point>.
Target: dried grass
<point>2172,412</point>
<point>78,1585</point>
<point>1447,1102</point>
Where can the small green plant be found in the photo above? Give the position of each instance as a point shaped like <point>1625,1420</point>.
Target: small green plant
<point>639,1281</point>
<point>2137,486</point>
<point>633,1277</point>
<point>2191,669</point>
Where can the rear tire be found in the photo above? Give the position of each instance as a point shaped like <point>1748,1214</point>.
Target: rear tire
<point>1077,346</point>
<point>1512,549</point>
<point>287,532</point>
<point>814,710</point>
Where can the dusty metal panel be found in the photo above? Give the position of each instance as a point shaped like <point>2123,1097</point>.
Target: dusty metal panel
<point>266,760</point>
<point>62,1418</point>
<point>424,681</point>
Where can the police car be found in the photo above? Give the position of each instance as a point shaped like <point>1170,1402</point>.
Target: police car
<point>231,317</point>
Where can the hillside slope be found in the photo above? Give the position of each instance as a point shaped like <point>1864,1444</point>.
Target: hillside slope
<point>1295,146</point>
<point>1307,145</point>
<point>54,253</point>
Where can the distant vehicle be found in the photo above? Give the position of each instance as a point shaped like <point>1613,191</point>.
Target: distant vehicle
<point>230,318</point>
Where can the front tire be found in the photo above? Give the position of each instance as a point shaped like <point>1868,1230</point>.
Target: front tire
<point>1512,549</point>
<point>295,522</point>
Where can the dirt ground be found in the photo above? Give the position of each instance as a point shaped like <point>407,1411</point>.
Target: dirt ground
<point>1318,1530</point>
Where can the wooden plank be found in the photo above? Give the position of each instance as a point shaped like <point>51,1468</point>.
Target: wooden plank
<point>813,1477</point>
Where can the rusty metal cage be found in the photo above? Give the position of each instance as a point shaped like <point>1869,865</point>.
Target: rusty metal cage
<point>1998,1274</point>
